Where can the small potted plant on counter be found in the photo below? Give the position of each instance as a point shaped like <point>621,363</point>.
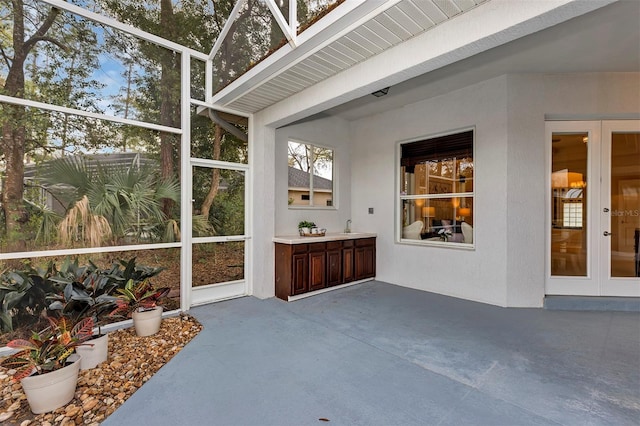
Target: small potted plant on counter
<point>140,301</point>
<point>46,365</point>
<point>305,226</point>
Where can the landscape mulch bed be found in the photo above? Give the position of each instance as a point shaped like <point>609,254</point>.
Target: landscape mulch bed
<point>132,361</point>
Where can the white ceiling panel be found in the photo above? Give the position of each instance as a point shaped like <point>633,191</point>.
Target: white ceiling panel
<point>431,10</point>
<point>362,40</point>
<point>318,61</point>
<point>338,59</point>
<point>383,32</point>
<point>416,14</point>
<point>465,5</point>
<point>317,73</point>
<point>286,82</point>
<point>302,71</point>
<point>348,42</point>
<point>448,7</point>
<point>348,48</point>
<point>404,20</point>
<point>393,26</point>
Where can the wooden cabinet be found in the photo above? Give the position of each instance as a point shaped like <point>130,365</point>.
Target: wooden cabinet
<point>317,266</point>
<point>301,268</point>
<point>334,263</point>
<point>365,258</point>
<point>348,272</point>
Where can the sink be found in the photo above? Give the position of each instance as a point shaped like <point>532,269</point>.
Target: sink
<point>352,233</point>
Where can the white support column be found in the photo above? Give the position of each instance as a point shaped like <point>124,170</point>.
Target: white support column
<point>262,160</point>
<point>185,182</point>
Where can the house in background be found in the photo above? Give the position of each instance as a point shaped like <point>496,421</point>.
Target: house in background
<point>299,189</point>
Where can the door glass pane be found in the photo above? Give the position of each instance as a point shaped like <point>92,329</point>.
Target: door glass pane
<point>214,263</point>
<point>569,204</point>
<point>218,202</point>
<point>625,204</point>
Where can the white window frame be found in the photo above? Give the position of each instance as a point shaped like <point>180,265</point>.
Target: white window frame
<point>311,205</point>
<point>400,198</point>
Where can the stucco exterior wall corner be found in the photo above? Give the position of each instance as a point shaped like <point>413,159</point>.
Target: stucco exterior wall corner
<point>262,209</point>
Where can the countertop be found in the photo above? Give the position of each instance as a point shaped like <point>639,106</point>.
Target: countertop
<point>330,236</point>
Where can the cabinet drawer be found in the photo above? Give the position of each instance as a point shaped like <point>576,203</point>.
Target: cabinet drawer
<point>300,248</point>
<point>334,245</point>
<point>365,242</point>
<point>317,247</point>
<point>347,243</point>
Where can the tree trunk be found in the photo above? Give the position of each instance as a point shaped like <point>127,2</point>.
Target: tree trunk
<point>215,175</point>
<point>13,126</point>
<point>169,99</point>
<point>13,135</point>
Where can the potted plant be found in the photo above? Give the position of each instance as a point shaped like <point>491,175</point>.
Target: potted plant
<point>84,292</point>
<point>140,301</point>
<point>304,227</point>
<point>46,365</point>
<point>87,291</point>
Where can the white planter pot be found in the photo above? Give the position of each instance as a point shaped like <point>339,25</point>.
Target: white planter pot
<point>46,392</point>
<point>147,323</point>
<point>91,356</point>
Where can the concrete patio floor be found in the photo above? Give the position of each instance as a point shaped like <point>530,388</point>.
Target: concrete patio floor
<point>379,354</point>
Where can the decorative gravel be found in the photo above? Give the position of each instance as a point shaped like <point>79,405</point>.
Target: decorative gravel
<point>100,391</point>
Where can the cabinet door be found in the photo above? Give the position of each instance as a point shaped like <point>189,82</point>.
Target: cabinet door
<point>300,276</point>
<point>317,270</point>
<point>365,259</point>
<point>334,267</point>
<point>347,265</point>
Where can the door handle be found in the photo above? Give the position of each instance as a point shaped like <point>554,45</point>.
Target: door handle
<point>606,233</point>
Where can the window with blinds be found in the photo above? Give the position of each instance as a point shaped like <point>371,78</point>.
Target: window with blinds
<point>436,191</point>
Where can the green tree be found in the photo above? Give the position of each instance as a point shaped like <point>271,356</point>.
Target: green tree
<point>13,116</point>
<point>48,56</point>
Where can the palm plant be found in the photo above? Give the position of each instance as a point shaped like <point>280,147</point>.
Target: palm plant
<point>127,199</point>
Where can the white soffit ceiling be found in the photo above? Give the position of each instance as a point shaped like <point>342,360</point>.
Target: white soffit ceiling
<point>400,22</point>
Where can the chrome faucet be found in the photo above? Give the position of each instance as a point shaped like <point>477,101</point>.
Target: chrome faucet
<point>347,230</point>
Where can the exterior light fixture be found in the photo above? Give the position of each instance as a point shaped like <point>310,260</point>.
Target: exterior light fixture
<point>381,92</point>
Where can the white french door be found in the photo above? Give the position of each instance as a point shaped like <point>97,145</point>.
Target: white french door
<point>621,197</point>
<point>593,208</point>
